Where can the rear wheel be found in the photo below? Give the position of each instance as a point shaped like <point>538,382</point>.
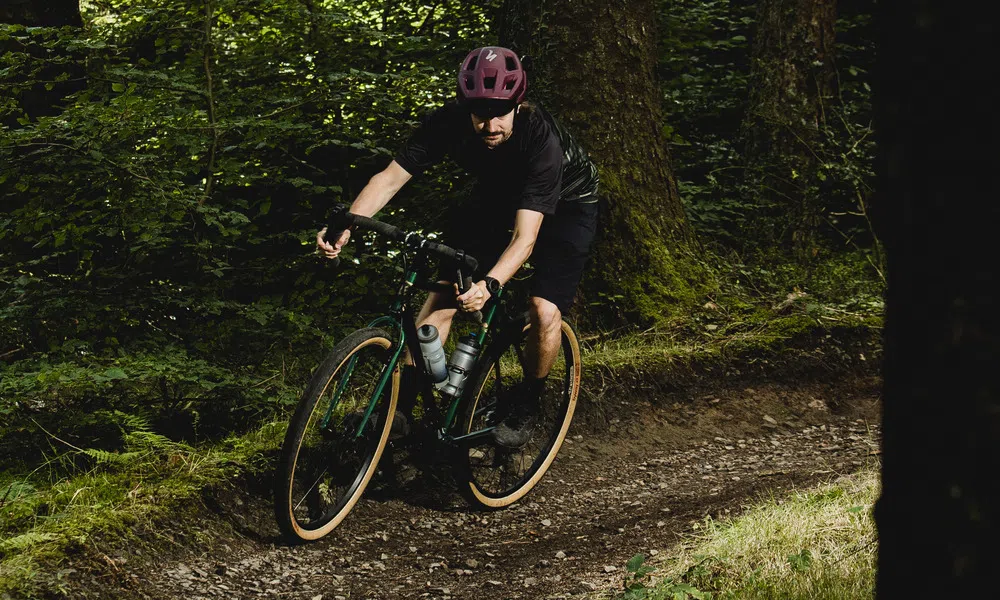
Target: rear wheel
<point>494,477</point>
<point>336,436</point>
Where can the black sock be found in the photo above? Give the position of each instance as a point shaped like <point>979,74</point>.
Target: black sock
<point>534,386</point>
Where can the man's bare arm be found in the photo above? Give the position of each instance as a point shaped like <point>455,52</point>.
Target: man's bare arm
<point>526,226</point>
<point>380,189</point>
<point>522,242</point>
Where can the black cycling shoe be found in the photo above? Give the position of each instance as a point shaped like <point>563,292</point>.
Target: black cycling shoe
<point>516,429</point>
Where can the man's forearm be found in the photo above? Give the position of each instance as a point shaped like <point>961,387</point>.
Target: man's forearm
<point>373,198</point>
<point>511,260</point>
<point>379,190</point>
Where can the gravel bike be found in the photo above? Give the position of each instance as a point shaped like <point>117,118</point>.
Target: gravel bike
<point>342,423</point>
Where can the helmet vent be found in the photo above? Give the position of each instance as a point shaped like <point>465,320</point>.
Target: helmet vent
<point>511,63</point>
<point>489,82</point>
<point>469,83</point>
<point>508,83</point>
<point>472,63</point>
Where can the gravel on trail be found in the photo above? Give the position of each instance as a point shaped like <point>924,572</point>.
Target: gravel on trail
<point>639,486</point>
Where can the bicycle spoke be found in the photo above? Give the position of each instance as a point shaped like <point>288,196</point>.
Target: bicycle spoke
<point>497,476</point>
<point>336,437</point>
<point>310,490</point>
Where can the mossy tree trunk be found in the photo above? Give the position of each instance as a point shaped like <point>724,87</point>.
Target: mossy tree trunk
<point>939,513</point>
<point>592,65</point>
<point>792,75</point>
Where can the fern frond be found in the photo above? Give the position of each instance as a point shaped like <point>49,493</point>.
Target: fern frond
<point>113,458</point>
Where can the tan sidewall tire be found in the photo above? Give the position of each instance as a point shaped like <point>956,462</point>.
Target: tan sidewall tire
<point>504,501</point>
<point>315,534</point>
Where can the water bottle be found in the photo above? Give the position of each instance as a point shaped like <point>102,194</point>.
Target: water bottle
<point>434,361</point>
<point>462,360</point>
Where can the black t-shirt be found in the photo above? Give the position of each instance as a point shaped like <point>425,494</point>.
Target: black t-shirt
<point>537,168</point>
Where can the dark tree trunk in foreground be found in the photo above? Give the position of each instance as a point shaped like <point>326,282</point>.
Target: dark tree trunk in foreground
<point>937,122</point>
<point>592,67</point>
<point>792,75</point>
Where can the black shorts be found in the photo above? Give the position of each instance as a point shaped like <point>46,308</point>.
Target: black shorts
<point>559,256</point>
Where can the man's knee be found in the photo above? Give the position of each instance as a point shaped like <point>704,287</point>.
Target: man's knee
<point>440,305</point>
<point>544,313</point>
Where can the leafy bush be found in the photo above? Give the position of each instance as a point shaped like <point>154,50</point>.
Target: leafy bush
<point>158,223</point>
<point>704,73</point>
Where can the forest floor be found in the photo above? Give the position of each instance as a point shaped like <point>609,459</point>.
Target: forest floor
<point>638,482</point>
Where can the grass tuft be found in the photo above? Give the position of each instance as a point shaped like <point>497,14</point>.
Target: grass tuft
<point>817,545</point>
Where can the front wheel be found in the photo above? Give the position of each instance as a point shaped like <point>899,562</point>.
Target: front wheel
<point>495,477</point>
<point>336,436</point>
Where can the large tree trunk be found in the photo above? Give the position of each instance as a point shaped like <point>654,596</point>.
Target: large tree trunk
<point>792,75</point>
<point>592,65</point>
<point>40,80</point>
<point>939,514</point>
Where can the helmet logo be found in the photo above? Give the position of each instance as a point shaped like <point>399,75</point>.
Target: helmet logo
<point>491,55</point>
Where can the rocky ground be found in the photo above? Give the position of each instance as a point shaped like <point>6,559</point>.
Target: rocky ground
<point>639,484</point>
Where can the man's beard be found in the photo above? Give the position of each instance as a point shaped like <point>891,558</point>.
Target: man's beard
<point>493,142</point>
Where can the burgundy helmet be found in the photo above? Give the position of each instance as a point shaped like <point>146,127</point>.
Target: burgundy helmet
<point>492,73</point>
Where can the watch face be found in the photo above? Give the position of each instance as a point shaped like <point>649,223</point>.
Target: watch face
<point>492,285</point>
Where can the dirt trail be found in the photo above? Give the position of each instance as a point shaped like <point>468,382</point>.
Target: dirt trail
<point>637,488</point>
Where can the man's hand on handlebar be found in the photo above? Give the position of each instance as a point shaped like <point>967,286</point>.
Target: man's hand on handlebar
<point>474,298</point>
<point>331,250</point>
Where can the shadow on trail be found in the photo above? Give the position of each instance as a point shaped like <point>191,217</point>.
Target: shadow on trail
<point>417,474</point>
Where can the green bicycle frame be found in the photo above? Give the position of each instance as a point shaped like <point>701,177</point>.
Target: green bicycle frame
<point>481,339</point>
<point>395,319</point>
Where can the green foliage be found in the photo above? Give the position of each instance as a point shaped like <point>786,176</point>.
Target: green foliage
<point>158,223</point>
<point>704,71</point>
<point>637,578</point>
<point>86,494</point>
<point>800,561</point>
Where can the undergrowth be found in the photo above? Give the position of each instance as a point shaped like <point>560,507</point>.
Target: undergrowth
<point>138,471</point>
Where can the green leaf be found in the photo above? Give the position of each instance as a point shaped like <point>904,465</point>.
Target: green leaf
<point>115,373</point>
<point>635,562</point>
<point>117,87</point>
<point>801,561</point>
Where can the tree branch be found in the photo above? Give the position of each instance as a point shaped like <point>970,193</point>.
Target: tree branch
<point>207,57</point>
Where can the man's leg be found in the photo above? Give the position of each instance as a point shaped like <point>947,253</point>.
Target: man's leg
<point>438,310</point>
<point>542,345</point>
<point>540,353</point>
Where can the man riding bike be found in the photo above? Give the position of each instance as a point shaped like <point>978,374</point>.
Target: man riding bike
<point>534,185</point>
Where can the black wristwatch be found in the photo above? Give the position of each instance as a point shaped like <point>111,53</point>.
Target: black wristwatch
<point>492,285</point>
